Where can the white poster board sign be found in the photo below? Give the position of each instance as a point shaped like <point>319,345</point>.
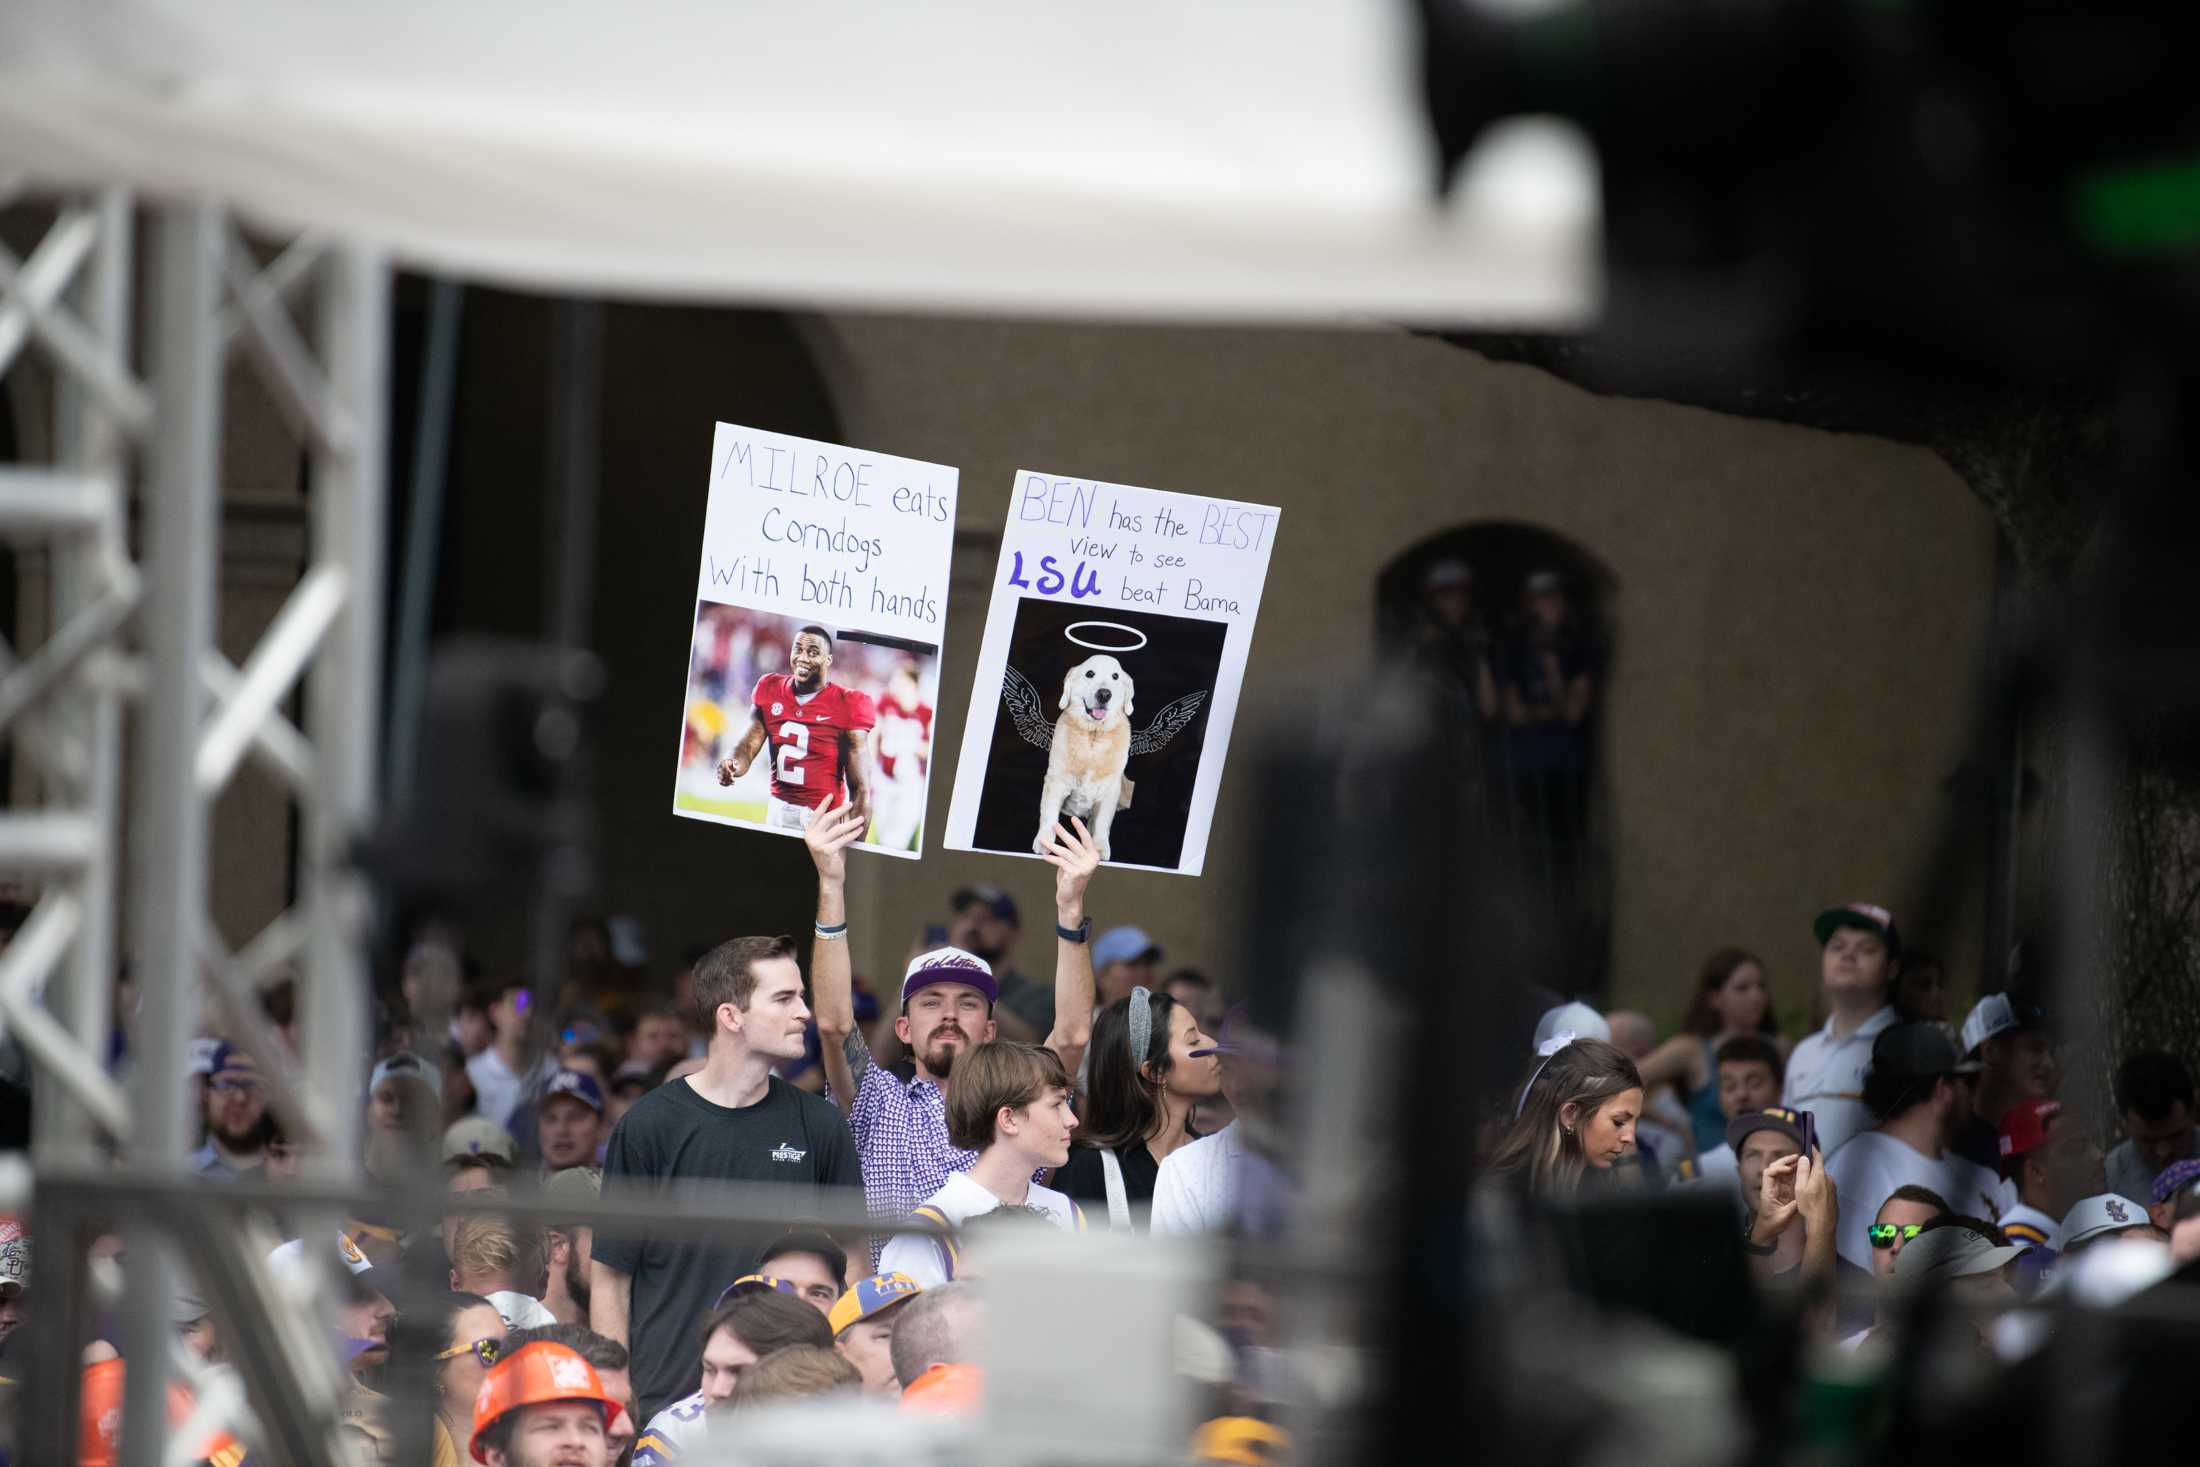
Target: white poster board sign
<point>1115,647</point>
<point>813,669</point>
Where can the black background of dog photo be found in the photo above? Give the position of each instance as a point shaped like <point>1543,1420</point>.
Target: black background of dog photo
<point>1182,655</point>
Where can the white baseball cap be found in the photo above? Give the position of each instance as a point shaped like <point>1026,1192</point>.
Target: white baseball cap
<point>1951,1252</point>
<point>1583,1021</point>
<point>2105,1213</point>
<point>1998,1013</point>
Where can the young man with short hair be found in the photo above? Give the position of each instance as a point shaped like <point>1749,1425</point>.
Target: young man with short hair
<point>543,1406</point>
<point>2009,1038</point>
<point>569,1121</point>
<point>499,1087</point>
<point>1899,1220</point>
<point>947,997</point>
<point>1748,1069</point>
<point>863,1327</point>
<point>503,1264</point>
<point>2154,1093</point>
<point>1917,1087</point>
<point>731,1121</point>
<point>2050,1163</point>
<point>747,1326</point>
<point>1012,1106</point>
<point>810,1262</point>
<point>1860,954</point>
<point>610,1360</point>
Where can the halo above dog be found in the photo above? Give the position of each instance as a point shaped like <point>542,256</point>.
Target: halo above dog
<point>1112,626</point>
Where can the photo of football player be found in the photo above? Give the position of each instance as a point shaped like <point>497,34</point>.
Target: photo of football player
<point>818,733</point>
<point>782,712</point>
<point>904,747</point>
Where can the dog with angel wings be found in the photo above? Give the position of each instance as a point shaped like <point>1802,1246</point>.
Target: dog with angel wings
<point>1090,743</point>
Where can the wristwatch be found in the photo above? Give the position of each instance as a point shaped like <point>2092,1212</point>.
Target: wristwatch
<point>1755,1249</point>
<point>1082,932</point>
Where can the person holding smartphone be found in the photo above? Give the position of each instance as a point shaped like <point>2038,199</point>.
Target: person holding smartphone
<point>1792,1205</point>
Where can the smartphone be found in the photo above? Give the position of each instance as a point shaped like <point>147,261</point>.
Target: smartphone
<point>1810,1133</point>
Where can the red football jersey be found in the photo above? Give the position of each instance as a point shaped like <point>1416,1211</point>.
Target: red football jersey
<point>808,738</point>
<point>903,732</point>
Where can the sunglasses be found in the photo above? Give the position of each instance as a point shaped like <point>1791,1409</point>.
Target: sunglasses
<point>233,1084</point>
<point>1883,1234</point>
<point>486,1351</point>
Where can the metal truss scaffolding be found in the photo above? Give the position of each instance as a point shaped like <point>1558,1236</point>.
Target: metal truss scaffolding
<point>125,636</point>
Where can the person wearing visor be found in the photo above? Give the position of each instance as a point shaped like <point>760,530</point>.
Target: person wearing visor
<point>543,1405</point>
<point>1860,954</point>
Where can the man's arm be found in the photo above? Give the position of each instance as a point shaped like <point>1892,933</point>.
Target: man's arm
<point>610,1297</point>
<point>859,772</point>
<point>832,981</point>
<point>1074,858</point>
<point>744,753</point>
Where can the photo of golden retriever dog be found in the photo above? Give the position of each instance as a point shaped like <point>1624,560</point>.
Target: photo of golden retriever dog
<point>1090,742</point>
<point>1090,747</point>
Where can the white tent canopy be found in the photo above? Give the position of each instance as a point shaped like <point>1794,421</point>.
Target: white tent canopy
<point>1148,157</point>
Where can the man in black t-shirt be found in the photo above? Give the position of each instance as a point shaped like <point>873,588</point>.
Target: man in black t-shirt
<point>731,1121</point>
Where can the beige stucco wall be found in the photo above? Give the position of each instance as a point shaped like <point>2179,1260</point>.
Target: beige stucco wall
<point>1796,613</point>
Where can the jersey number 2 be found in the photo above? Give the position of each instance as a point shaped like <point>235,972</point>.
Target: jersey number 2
<point>794,747</point>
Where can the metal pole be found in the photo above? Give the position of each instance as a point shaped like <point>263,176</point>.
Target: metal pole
<point>168,833</point>
<point>423,524</point>
<point>91,443</point>
<point>343,693</point>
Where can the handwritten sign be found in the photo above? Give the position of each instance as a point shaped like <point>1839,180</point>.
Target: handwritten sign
<point>813,671</point>
<point>1114,653</point>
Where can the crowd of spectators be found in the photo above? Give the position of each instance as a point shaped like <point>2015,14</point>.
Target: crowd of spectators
<point>1881,1153</point>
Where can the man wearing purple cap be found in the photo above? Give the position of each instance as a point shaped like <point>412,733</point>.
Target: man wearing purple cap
<point>947,999</point>
<point>1860,953</point>
<point>569,1121</point>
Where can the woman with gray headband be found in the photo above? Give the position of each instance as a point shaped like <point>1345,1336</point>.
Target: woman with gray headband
<point>1148,1065</point>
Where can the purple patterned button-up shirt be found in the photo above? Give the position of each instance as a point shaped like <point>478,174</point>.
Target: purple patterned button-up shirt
<point>901,1135</point>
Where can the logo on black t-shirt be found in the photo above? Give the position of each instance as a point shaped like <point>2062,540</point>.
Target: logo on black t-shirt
<point>785,1152</point>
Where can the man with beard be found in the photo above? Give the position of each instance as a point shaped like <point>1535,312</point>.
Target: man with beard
<point>947,998</point>
<point>819,734</point>
<point>731,1121</point>
<point>236,1118</point>
<point>566,1245</point>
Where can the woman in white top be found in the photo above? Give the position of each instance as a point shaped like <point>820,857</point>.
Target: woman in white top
<point>1010,1104</point>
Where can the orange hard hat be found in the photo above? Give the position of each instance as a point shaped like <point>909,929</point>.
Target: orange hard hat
<point>950,1390</point>
<point>99,1438</point>
<point>536,1374</point>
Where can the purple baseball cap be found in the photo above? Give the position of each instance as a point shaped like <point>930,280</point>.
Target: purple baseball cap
<point>579,1084</point>
<point>949,965</point>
